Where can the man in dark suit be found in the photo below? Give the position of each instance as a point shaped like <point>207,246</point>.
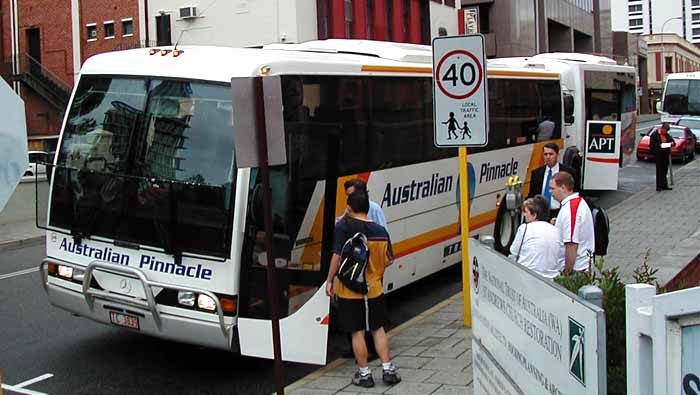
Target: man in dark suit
<point>541,176</point>
<point>662,154</point>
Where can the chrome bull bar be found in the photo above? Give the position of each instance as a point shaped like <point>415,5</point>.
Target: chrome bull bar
<point>90,294</point>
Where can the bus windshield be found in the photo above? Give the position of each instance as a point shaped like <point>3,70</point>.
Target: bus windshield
<point>148,161</point>
<point>682,97</point>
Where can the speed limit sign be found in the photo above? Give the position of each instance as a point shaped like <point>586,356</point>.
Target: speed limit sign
<point>459,91</point>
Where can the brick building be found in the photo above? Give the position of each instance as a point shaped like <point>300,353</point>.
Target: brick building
<point>44,43</point>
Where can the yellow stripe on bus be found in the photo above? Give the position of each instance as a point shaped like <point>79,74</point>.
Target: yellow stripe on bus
<point>429,70</point>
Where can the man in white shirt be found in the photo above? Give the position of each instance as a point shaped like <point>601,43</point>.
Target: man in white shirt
<point>575,224</point>
<point>536,245</point>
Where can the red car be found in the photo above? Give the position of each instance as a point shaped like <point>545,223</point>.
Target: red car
<point>684,149</point>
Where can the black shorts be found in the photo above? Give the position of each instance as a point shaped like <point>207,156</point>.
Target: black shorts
<point>353,316</point>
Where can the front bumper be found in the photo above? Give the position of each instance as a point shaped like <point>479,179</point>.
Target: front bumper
<point>153,320</point>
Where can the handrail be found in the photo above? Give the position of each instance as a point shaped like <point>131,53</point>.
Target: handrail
<point>44,72</point>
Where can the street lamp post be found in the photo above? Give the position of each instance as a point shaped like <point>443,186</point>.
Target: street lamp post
<point>663,49</point>
<point>663,78</point>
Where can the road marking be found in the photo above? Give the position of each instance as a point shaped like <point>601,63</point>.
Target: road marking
<point>34,380</point>
<point>19,388</point>
<point>19,273</point>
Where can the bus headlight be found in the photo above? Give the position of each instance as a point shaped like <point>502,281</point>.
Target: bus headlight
<point>204,302</point>
<point>185,298</point>
<point>65,272</point>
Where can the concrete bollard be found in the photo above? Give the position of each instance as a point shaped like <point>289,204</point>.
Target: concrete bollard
<point>592,294</point>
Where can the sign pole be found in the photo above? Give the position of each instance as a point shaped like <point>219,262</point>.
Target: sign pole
<point>460,110</point>
<point>267,209</point>
<point>464,231</point>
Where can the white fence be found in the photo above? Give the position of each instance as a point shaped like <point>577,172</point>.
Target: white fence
<point>663,341</point>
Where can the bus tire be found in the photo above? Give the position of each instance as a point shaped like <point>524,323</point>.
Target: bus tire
<point>504,229</point>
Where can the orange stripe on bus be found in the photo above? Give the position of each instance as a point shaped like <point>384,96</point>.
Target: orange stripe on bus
<point>398,69</point>
<point>439,235</point>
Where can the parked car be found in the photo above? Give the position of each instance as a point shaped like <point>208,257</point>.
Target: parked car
<point>694,124</point>
<point>36,163</point>
<point>684,150</point>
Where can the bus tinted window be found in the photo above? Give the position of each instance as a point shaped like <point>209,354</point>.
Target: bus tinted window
<point>148,161</point>
<point>682,97</point>
<point>523,111</point>
<point>385,122</point>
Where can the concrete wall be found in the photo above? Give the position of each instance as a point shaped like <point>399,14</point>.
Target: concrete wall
<point>21,206</point>
<point>568,14</point>
<point>513,22</point>
<point>239,23</point>
<point>443,16</point>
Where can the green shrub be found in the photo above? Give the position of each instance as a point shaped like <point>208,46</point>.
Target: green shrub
<point>608,280</point>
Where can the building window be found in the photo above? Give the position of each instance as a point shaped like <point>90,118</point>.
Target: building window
<point>109,29</point>
<point>370,19</point>
<point>127,27</point>
<point>635,8</point>
<point>695,3</point>
<point>348,18</point>
<point>91,31</point>
<point>635,22</point>
<point>696,32</point>
<point>669,65</point>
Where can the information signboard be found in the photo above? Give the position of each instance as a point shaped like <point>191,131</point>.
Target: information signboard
<point>547,339</point>
<point>459,91</point>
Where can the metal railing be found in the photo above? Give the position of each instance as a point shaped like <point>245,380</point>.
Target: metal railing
<point>135,44</point>
<point>28,64</point>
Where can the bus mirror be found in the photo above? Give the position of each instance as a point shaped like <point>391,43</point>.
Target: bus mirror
<point>568,108</point>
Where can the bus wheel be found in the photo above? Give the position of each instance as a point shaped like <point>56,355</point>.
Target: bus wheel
<point>504,229</point>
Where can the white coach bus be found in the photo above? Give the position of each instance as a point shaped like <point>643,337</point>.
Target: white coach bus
<point>681,97</point>
<point>151,226</point>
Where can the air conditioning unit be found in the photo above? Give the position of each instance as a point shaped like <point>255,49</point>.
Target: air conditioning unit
<point>188,12</point>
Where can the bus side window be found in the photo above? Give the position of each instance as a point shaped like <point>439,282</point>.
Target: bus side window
<point>397,120</point>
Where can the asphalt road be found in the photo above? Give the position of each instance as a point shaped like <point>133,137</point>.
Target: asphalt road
<point>72,355</point>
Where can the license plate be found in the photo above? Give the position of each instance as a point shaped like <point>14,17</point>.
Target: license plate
<point>127,321</point>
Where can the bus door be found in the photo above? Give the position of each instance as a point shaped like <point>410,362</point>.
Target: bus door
<point>302,240</point>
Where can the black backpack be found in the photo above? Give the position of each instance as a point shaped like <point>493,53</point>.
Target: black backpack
<point>601,229</point>
<point>354,258</point>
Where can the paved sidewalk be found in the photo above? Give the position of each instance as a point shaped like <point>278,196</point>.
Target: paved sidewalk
<point>20,234</point>
<point>432,352</point>
<point>668,222</point>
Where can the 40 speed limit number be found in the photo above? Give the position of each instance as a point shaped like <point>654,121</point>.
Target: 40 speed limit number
<point>459,94</point>
<point>459,74</point>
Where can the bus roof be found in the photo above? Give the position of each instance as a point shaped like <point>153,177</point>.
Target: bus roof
<point>330,57</point>
<point>550,61</point>
<point>684,76</point>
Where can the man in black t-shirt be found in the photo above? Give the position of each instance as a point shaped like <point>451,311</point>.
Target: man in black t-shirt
<point>358,313</point>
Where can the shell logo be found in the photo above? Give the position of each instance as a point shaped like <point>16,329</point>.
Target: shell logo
<point>608,129</point>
